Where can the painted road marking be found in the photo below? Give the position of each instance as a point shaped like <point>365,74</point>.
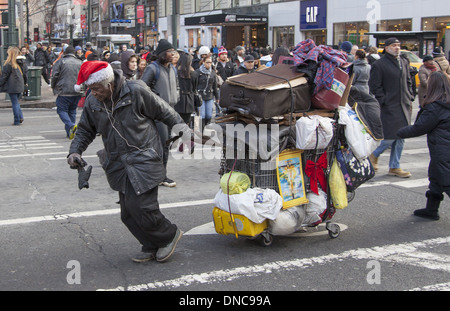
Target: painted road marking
<point>386,252</point>
<point>111,211</point>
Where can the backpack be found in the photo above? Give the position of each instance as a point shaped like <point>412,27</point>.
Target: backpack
<point>157,74</point>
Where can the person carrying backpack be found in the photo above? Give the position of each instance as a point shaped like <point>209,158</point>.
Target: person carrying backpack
<point>161,77</point>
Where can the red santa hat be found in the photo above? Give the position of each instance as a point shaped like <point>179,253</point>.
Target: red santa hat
<point>93,72</point>
<point>222,50</point>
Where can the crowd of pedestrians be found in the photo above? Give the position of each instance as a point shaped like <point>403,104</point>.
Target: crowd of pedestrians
<point>189,81</point>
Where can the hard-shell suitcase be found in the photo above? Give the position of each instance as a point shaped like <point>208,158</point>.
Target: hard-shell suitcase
<point>265,103</point>
<point>244,226</point>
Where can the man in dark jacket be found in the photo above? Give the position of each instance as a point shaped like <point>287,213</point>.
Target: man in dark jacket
<point>247,66</point>
<point>161,77</point>
<point>124,113</point>
<point>390,82</point>
<point>225,67</point>
<point>65,73</point>
<point>41,59</point>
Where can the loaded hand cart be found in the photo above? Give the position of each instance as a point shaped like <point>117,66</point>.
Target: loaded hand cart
<point>280,172</point>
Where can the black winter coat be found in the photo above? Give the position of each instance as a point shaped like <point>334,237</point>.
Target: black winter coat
<point>41,58</point>
<point>13,81</point>
<point>392,88</point>
<point>207,85</point>
<point>188,88</point>
<point>227,70</point>
<point>434,120</point>
<point>133,147</point>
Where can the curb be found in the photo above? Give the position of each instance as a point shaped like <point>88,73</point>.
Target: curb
<point>30,104</point>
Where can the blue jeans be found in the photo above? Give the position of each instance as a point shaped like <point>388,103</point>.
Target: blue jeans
<point>66,107</point>
<point>18,116</point>
<point>206,109</point>
<point>396,151</point>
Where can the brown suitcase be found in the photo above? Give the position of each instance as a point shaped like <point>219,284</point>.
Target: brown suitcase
<point>263,103</point>
<point>266,93</point>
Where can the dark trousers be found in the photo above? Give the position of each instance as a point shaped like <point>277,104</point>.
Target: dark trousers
<point>143,218</point>
<point>436,187</point>
<point>164,135</point>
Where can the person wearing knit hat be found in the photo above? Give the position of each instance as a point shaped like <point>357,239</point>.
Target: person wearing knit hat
<point>161,77</point>
<point>225,67</point>
<point>240,55</point>
<point>347,47</point>
<point>124,113</point>
<point>163,46</point>
<point>222,50</point>
<point>64,75</point>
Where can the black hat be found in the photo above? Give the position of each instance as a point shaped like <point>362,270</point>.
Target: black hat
<point>437,51</point>
<point>390,41</point>
<point>249,58</point>
<point>163,45</point>
<point>427,58</point>
<point>69,50</point>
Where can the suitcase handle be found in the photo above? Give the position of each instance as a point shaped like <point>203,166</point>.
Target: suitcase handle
<point>240,100</point>
<point>243,111</point>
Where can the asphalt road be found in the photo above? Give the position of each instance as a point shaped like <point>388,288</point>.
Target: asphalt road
<point>55,237</point>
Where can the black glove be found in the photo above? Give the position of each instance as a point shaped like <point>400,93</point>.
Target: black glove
<point>75,161</point>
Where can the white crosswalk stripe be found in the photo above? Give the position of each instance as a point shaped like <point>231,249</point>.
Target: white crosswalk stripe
<point>23,146</point>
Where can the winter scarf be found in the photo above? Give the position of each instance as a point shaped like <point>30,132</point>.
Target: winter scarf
<point>326,57</point>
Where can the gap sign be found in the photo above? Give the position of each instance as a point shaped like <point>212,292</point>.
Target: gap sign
<point>313,14</point>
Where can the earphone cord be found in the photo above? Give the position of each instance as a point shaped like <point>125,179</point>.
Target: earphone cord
<point>112,120</point>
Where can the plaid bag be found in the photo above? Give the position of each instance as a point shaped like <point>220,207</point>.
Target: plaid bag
<point>356,172</point>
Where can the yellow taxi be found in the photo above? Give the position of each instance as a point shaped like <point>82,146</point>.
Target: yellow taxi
<point>414,61</point>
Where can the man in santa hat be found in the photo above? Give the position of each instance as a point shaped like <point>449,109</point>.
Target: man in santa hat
<point>124,113</point>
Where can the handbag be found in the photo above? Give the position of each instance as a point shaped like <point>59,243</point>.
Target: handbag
<point>198,100</point>
<point>356,172</point>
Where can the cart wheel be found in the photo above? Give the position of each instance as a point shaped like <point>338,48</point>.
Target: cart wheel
<point>265,239</point>
<point>333,230</point>
<point>350,196</point>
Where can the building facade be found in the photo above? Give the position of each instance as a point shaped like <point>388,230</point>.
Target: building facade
<point>330,22</point>
<point>420,24</point>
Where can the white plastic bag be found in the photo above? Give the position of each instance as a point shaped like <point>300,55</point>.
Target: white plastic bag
<point>256,204</point>
<point>359,140</point>
<point>307,136</point>
<point>288,221</point>
<point>315,208</point>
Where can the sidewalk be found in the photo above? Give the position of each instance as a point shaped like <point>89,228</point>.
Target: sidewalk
<point>47,100</point>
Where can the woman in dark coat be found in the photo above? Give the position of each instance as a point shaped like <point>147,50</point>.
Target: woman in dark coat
<point>188,82</point>
<point>434,120</point>
<point>13,80</point>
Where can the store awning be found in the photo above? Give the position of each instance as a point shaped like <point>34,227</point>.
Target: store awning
<point>224,19</point>
<point>426,34</point>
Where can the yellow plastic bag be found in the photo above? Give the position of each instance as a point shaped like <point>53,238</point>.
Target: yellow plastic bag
<point>338,188</point>
<point>239,183</point>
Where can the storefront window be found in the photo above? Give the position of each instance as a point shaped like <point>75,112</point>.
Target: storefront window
<point>355,32</point>
<point>395,25</point>
<point>437,23</point>
<point>283,36</point>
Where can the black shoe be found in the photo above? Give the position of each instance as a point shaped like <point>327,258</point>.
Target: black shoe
<point>167,182</point>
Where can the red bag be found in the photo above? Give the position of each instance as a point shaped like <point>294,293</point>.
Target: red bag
<point>81,101</point>
<point>330,99</point>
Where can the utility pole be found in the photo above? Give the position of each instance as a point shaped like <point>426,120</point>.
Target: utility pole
<point>12,37</point>
<point>89,24</point>
<point>174,24</point>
